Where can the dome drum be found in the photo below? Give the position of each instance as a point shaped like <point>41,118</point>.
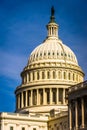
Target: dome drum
<point>52,74</point>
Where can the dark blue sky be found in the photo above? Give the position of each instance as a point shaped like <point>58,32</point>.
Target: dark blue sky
<point>22,28</point>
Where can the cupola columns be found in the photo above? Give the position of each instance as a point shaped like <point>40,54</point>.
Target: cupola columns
<point>52,27</point>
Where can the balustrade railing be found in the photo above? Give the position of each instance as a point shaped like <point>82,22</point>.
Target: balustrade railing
<point>78,86</point>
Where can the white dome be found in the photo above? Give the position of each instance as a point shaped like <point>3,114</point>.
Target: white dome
<point>52,68</point>
<point>52,50</point>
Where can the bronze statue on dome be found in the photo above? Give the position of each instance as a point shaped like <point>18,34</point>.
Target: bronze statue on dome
<point>52,11</point>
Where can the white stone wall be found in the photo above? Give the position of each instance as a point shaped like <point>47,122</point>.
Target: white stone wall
<point>19,121</point>
<point>58,122</point>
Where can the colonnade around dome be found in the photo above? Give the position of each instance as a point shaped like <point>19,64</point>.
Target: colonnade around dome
<point>41,96</point>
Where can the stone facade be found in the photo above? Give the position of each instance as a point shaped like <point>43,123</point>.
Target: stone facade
<point>77,98</point>
<point>16,121</point>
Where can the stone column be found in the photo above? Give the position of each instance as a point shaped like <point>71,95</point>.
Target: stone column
<point>82,108</point>
<point>2,125</point>
<point>40,75</point>
<point>70,117</point>
<point>76,115</point>
<point>44,97</point>
<point>51,96</point>
<point>22,99</point>
<point>26,97</point>
<point>51,31</point>
<point>30,76</point>
<point>18,100</point>
<point>35,75</point>
<point>51,74</point>
<point>45,74</point>
<point>56,74</point>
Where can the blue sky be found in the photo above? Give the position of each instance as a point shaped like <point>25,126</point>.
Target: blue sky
<point>22,28</point>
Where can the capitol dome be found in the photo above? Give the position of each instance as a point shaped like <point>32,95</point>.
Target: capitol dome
<point>52,50</point>
<point>51,69</point>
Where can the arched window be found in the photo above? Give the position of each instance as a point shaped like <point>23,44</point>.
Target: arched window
<point>37,75</point>
<point>37,55</point>
<point>43,75</point>
<point>77,77</point>
<point>64,75</point>
<point>48,53</point>
<point>57,53</point>
<point>53,53</point>
<point>69,76</point>
<point>29,76</point>
<point>48,74</point>
<point>54,75</point>
<point>73,76</point>
<point>25,79</point>
<point>59,75</point>
<point>44,54</point>
<point>33,76</point>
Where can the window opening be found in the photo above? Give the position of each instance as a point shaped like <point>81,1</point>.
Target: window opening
<point>11,127</point>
